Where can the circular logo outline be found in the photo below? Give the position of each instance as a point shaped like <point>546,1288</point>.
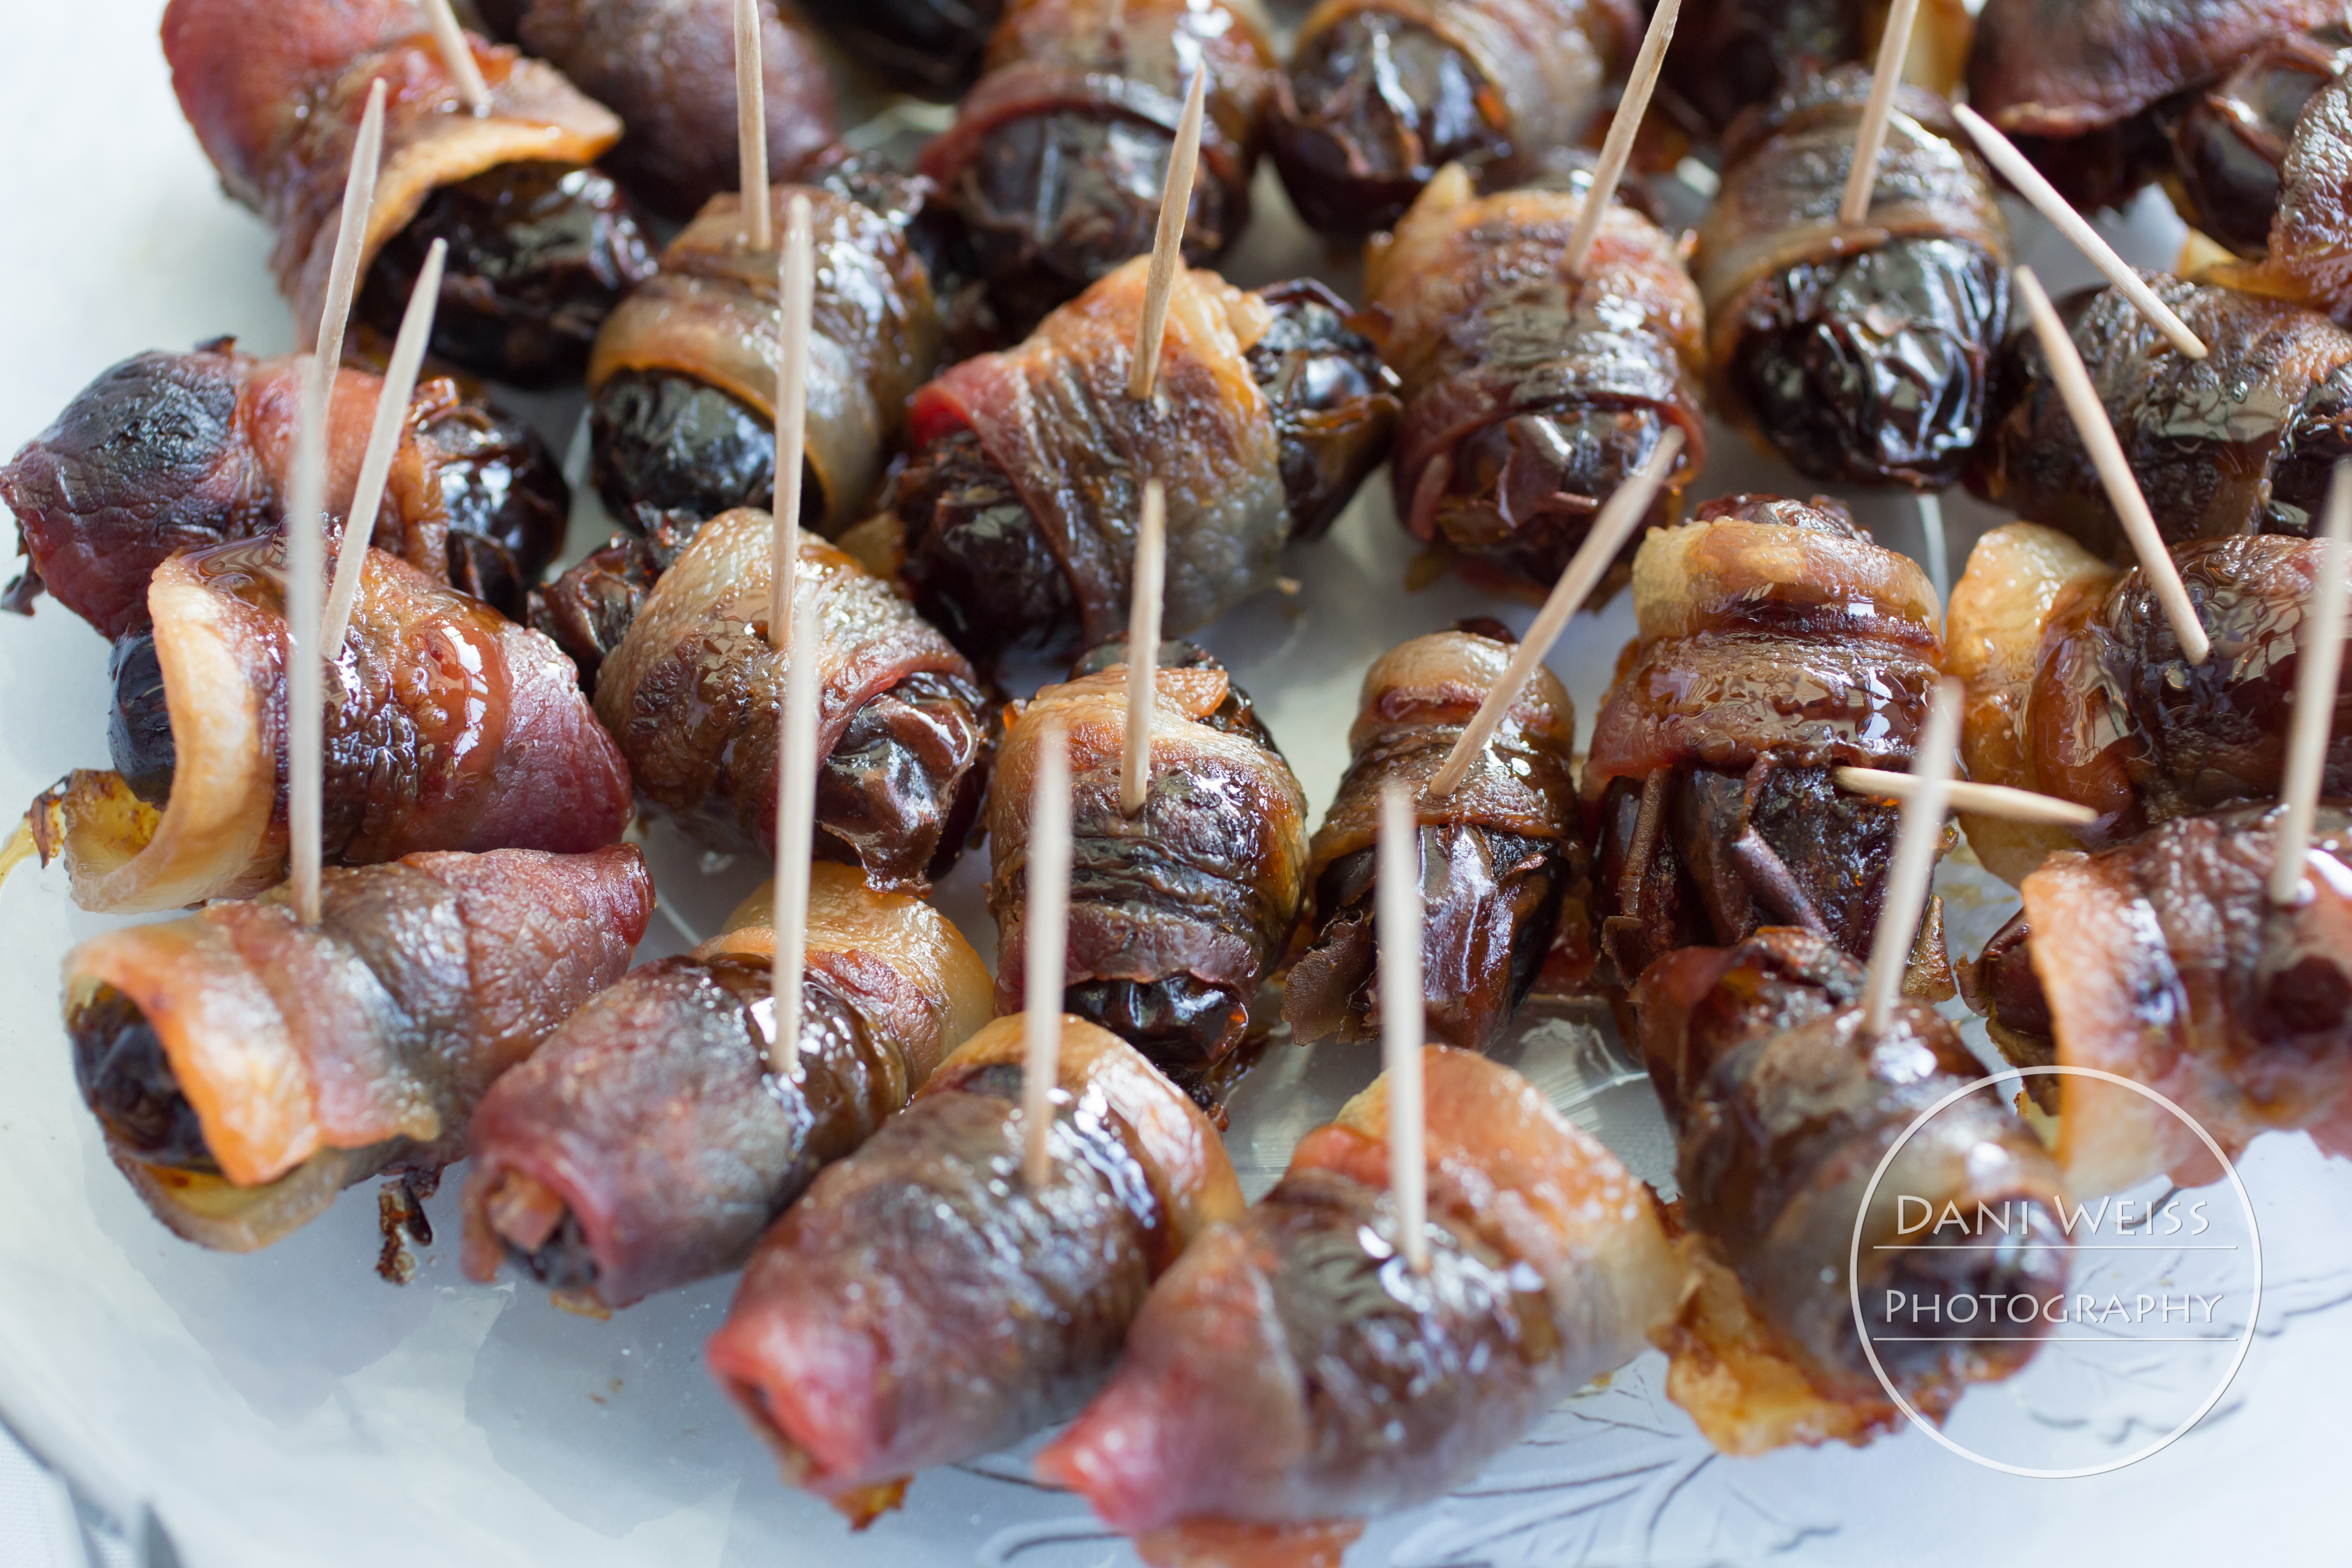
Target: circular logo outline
<point>1853,1277</point>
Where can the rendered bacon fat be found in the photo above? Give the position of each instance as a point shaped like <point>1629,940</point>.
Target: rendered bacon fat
<point>1290,1376</point>
<point>693,692</point>
<point>1177,913</point>
<point>1777,644</point>
<point>924,1304</point>
<point>246,1067</point>
<point>648,1143</point>
<point>1531,396</point>
<point>1783,1106</point>
<point>1504,867</point>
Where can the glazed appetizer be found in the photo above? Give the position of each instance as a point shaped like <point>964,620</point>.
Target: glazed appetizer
<point>692,692</point>
<point>1777,644</point>
<point>1017,510</point>
<point>1782,1105</point>
<point>1862,356</point>
<point>2239,442</point>
<point>1179,912</point>
<point>1382,94</point>
<point>447,727</point>
<point>667,69</point>
<point>1058,157</point>
<point>1504,867</point>
<point>246,1067</point>
<point>1291,1376</point>
<point>648,1144</point>
<point>541,243</point>
<point>928,47</point>
<point>1531,396</point>
<point>924,1304</point>
<point>1729,55</point>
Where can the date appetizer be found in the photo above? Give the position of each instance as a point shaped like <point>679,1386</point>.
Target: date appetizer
<point>1531,396</point>
<point>647,1142</point>
<point>930,48</point>
<point>541,245</point>
<point>246,1067</point>
<point>1777,644</point>
<point>1782,1104</point>
<point>1292,1377</point>
<point>1504,869</point>
<point>925,1303</point>
<point>1861,355</point>
<point>692,691</point>
<point>668,69</point>
<point>1058,157</point>
<point>1729,55</point>
<point>1016,514</point>
<point>1382,94</point>
<point>1179,912</point>
<point>167,452</point>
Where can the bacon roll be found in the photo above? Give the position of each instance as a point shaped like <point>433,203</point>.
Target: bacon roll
<point>1530,396</point>
<point>448,727</point>
<point>244,1068</point>
<point>1728,54</point>
<point>1382,94</point>
<point>1777,644</point>
<point>1782,1107</point>
<point>1862,356</point>
<point>924,1304</point>
<point>1505,874</point>
<point>541,245</point>
<point>692,694</point>
<point>1059,155</point>
<point>648,1143</point>
<point>928,47</point>
<point>1017,510</point>
<point>2241,441</point>
<point>166,452</point>
<point>1290,1376</point>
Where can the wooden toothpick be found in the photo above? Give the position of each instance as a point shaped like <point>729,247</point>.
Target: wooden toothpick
<point>796,832</point>
<point>752,126</point>
<point>1614,152</point>
<point>1977,799</point>
<point>2319,662</point>
<point>2106,456</point>
<point>383,444</point>
<point>1168,244</point>
<point>796,284</point>
<point>1044,935</point>
<point>458,55</point>
<point>1870,136</point>
<point>1150,590</point>
<point>1398,924</point>
<point>2003,154</point>
<point>326,334</point>
<point>1914,855</point>
<point>1619,516</point>
<point>1932,541</point>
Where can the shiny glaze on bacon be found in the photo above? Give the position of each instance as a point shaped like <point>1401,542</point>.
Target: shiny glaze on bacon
<point>1291,1377</point>
<point>246,1067</point>
<point>923,1304</point>
<point>647,1143</point>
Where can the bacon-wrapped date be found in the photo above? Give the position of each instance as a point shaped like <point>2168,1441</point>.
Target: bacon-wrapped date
<point>1777,644</point>
<point>648,1143</point>
<point>246,1067</point>
<point>1782,1106</point>
<point>928,47</point>
<point>448,727</point>
<point>1529,396</point>
<point>1017,512</point>
<point>168,452</point>
<point>2241,441</point>
<point>667,69</point>
<point>1729,55</point>
<point>1179,912</point>
<point>1861,355</point>
<point>1290,1377</point>
<point>541,245</point>
<point>1504,867</point>
<point>923,1303</point>
<point>1382,94</point>
<point>1058,157</point>
<point>693,692</point>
